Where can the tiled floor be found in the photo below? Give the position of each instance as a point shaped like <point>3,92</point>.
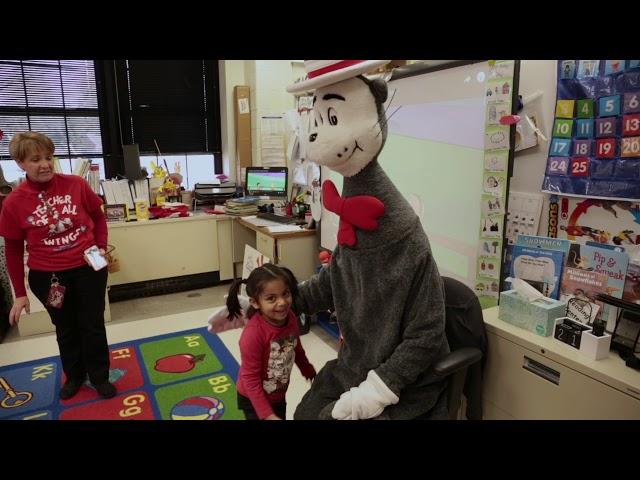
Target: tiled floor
<point>150,316</point>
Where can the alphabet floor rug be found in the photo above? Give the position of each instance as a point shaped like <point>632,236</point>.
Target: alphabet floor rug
<point>187,375</point>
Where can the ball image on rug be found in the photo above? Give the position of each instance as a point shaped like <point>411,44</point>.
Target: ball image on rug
<point>198,408</point>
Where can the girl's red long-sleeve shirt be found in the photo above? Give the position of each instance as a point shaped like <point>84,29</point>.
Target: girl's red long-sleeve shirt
<point>58,219</point>
<point>267,355</point>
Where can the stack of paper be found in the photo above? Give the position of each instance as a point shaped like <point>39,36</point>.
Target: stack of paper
<point>81,167</point>
<point>284,228</point>
<point>240,206</point>
<point>117,192</point>
<point>93,178</point>
<point>261,222</point>
<point>140,189</point>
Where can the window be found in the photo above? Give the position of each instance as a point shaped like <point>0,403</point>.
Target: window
<point>172,106</point>
<point>194,168</point>
<point>55,97</point>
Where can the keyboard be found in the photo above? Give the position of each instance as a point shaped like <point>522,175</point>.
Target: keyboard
<point>277,218</point>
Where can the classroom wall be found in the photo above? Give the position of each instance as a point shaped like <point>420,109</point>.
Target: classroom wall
<point>267,80</point>
<point>271,97</point>
<point>232,72</point>
<point>529,165</point>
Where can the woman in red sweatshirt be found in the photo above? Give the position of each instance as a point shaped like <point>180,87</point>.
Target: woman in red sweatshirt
<point>59,217</point>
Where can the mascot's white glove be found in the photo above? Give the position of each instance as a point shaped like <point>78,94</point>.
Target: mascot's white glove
<point>367,400</point>
<point>218,321</point>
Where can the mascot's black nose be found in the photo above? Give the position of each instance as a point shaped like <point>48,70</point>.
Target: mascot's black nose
<point>312,137</point>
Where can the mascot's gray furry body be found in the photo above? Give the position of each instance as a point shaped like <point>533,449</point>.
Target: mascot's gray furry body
<point>386,289</point>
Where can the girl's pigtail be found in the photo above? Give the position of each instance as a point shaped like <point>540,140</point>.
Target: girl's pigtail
<point>233,304</point>
<point>293,288</point>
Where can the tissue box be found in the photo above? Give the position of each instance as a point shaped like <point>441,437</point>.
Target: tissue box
<point>538,316</point>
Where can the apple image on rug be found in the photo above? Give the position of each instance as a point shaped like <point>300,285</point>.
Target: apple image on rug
<point>178,363</point>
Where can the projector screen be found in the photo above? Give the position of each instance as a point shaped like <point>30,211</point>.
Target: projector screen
<point>434,154</point>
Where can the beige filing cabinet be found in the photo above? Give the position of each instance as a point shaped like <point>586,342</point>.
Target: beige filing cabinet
<point>172,247</point>
<point>297,251</point>
<point>38,321</point>
<point>532,377</point>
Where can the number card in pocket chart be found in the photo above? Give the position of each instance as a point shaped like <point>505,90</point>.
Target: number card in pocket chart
<point>595,147</point>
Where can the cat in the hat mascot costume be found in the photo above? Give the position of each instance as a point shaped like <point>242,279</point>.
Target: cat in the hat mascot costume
<point>382,280</point>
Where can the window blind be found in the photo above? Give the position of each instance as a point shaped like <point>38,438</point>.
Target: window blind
<point>54,97</point>
<point>174,102</point>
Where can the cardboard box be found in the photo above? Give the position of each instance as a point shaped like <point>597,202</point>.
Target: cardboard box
<point>538,316</point>
<point>242,102</point>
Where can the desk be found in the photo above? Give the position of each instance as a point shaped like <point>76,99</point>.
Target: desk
<point>297,251</point>
<point>172,247</point>
<point>586,389</point>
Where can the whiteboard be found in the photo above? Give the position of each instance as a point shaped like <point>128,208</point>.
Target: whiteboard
<point>434,154</point>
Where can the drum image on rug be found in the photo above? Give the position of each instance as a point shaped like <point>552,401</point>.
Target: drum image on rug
<point>187,375</point>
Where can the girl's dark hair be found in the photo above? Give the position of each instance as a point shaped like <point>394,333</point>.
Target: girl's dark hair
<point>255,283</point>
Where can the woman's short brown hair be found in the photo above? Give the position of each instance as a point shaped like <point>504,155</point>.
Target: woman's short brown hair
<point>22,144</point>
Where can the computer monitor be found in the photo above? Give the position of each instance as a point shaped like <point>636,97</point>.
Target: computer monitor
<point>267,181</point>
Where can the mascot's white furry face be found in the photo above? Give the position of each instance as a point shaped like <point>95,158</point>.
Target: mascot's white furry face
<point>346,130</point>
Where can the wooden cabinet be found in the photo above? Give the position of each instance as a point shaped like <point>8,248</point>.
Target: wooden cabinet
<point>266,245</point>
<point>297,251</point>
<point>533,377</point>
<point>172,247</point>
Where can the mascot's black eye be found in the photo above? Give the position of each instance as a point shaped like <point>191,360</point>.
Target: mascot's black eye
<point>333,118</point>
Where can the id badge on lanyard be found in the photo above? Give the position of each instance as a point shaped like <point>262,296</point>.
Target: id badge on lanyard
<point>55,298</point>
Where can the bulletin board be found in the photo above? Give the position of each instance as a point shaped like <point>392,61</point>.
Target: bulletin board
<point>595,149</point>
<point>448,153</point>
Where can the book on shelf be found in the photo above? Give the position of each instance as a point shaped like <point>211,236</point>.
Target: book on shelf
<point>632,281</point>
<point>140,189</point>
<point>601,259</point>
<point>539,267</point>
<point>117,192</point>
<point>579,289</point>
<point>549,243</point>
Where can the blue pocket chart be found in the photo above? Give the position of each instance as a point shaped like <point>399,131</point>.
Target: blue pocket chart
<point>594,151</point>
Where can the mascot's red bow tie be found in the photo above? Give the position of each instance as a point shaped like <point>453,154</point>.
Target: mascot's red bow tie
<point>361,211</point>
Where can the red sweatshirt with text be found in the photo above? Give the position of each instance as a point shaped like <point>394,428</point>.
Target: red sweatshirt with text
<point>58,220</point>
<point>267,355</point>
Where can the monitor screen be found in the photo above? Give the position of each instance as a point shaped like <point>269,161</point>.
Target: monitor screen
<point>267,181</point>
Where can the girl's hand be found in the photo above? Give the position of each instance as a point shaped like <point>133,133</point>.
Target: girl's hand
<point>273,416</point>
<point>309,373</point>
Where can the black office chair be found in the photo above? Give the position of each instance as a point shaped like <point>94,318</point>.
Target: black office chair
<point>467,339</point>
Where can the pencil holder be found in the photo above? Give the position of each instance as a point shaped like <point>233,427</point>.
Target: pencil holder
<point>594,347</point>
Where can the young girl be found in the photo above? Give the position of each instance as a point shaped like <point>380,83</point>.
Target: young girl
<point>269,344</point>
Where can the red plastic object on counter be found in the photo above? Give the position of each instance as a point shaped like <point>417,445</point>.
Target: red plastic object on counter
<point>164,212</point>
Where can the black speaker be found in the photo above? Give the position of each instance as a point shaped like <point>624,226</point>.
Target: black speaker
<point>132,169</point>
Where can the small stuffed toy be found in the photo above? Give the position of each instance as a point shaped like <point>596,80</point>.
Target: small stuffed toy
<point>219,321</point>
<point>382,281</point>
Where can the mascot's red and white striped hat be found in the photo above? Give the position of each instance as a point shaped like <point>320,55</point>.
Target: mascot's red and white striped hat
<point>325,72</point>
